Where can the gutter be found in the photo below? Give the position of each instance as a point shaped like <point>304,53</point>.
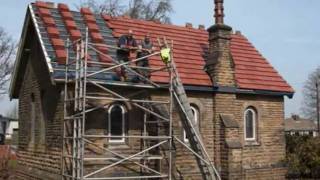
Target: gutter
<point>234,90</point>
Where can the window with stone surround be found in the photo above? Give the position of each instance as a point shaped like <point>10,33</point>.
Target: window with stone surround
<point>116,123</point>
<point>250,124</point>
<point>195,112</point>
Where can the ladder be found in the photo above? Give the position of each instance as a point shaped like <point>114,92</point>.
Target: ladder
<point>73,125</point>
<point>206,167</point>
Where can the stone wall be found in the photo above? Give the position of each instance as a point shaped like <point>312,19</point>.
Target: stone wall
<point>234,161</point>
<point>220,124</point>
<point>240,159</point>
<point>222,141</point>
<point>39,157</point>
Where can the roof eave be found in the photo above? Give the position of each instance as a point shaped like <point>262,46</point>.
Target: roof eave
<point>252,91</point>
<point>267,92</point>
<point>236,90</point>
<point>18,56</point>
<point>29,18</point>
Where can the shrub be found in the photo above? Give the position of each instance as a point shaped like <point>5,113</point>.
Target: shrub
<point>303,156</point>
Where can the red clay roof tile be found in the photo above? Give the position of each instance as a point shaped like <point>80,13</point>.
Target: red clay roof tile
<point>94,32</point>
<point>70,24</point>
<point>42,4</point>
<point>85,11</point>
<point>66,15</point>
<point>53,32</point>
<point>49,21</point>
<point>63,7</point>
<point>96,37</point>
<point>44,12</point>
<point>61,56</point>
<point>75,34</point>
<point>93,26</point>
<point>57,42</point>
<point>89,18</point>
<point>252,71</point>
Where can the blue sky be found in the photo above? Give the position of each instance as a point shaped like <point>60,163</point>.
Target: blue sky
<point>286,32</point>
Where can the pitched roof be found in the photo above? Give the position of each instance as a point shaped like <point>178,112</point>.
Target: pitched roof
<point>299,124</point>
<point>190,46</point>
<point>252,70</point>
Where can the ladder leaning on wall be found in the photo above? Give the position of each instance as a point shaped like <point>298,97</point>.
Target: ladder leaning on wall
<point>75,138</point>
<point>187,117</point>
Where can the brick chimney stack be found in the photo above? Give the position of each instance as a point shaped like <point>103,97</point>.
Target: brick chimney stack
<point>219,64</point>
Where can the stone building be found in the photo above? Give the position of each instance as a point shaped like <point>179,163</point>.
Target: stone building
<point>295,125</point>
<point>236,96</point>
<point>8,130</point>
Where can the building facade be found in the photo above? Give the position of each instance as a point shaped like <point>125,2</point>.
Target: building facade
<point>236,96</point>
<point>295,125</point>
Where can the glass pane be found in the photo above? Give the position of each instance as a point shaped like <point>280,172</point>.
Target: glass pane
<point>116,122</point>
<point>195,114</point>
<point>249,124</point>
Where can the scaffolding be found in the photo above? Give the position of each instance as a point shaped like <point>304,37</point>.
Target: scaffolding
<point>79,81</point>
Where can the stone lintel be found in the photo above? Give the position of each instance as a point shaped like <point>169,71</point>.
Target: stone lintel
<point>233,144</point>
<point>228,121</point>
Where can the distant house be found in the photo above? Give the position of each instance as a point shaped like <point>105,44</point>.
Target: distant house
<point>8,127</point>
<point>296,125</point>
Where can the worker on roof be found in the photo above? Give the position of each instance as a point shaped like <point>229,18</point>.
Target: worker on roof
<point>127,49</point>
<point>145,49</point>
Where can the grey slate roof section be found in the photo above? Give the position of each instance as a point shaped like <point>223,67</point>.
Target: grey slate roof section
<point>104,30</point>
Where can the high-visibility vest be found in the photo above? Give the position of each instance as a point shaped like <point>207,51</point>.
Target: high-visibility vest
<point>165,55</point>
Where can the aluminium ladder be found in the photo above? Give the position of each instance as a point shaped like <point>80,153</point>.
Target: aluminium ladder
<point>205,165</point>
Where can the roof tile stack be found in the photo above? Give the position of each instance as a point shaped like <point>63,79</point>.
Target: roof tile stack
<point>190,48</point>
<point>52,30</point>
<point>95,35</point>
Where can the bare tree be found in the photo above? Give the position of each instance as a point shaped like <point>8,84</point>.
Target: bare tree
<point>309,107</point>
<point>7,52</point>
<point>158,10</point>
<point>152,10</point>
<point>110,7</point>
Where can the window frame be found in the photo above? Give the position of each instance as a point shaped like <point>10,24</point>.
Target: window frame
<point>254,124</point>
<point>123,112</point>
<point>196,114</point>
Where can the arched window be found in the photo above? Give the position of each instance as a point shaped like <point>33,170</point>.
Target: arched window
<point>250,123</point>
<point>196,119</point>
<point>116,123</point>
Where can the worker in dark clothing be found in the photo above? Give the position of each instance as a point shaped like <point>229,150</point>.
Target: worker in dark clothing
<point>145,49</point>
<point>127,46</point>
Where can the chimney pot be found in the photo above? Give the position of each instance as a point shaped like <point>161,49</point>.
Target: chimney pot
<point>295,117</point>
<point>201,27</point>
<point>218,11</point>
<point>189,25</point>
